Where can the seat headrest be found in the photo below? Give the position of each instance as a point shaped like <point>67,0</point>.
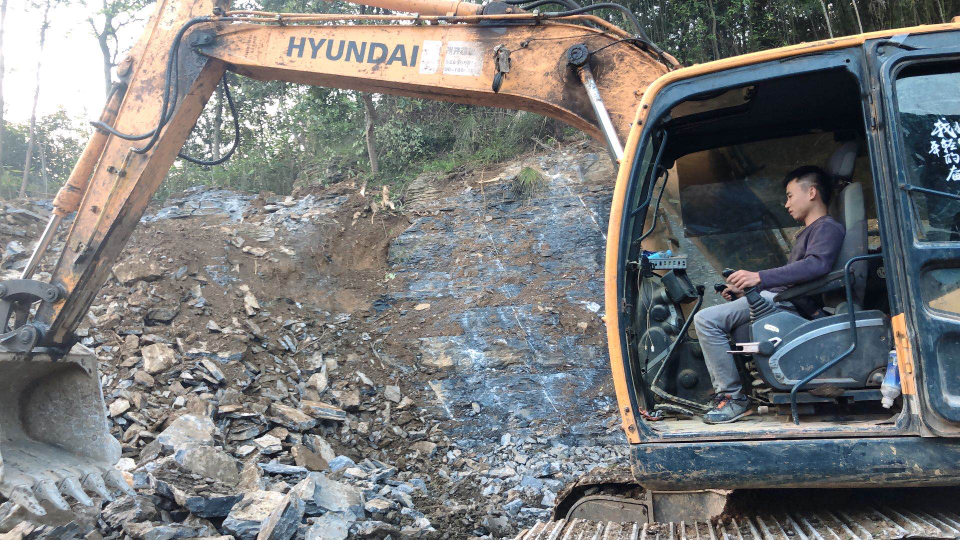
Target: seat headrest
<point>840,164</point>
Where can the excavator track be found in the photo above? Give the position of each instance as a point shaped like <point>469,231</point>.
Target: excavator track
<point>868,522</point>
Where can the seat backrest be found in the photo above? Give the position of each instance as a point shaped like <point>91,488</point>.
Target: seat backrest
<point>848,209</point>
<point>841,162</point>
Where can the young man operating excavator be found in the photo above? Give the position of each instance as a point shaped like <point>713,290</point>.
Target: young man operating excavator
<point>808,193</point>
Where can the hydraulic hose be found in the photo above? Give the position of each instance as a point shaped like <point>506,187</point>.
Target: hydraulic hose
<point>236,131</point>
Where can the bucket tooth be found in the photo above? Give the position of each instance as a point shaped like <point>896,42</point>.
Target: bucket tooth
<point>70,486</point>
<point>95,484</point>
<point>116,481</point>
<point>24,497</point>
<point>46,491</point>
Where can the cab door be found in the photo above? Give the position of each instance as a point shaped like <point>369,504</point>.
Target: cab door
<point>917,123</point>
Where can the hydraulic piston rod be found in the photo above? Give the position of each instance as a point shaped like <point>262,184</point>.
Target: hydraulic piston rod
<point>69,197</point>
<point>579,57</point>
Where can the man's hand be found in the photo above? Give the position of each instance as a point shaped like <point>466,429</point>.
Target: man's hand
<point>731,293</point>
<point>743,279</point>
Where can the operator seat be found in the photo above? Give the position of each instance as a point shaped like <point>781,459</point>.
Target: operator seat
<point>847,207</point>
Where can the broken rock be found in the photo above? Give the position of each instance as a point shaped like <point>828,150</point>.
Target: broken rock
<point>130,272</point>
<point>284,520</point>
<point>324,411</point>
<point>166,531</point>
<point>425,448</point>
<point>393,393</point>
<point>188,430</point>
<point>119,407</point>
<point>320,446</point>
<point>157,358</point>
<point>318,381</point>
<point>161,314</point>
<point>290,418</point>
<point>376,529</point>
<point>269,444</point>
<point>330,526</point>
<point>334,496</point>
<point>247,516</point>
<point>209,462</point>
<point>304,457</point>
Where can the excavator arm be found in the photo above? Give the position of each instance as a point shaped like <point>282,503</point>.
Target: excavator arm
<point>570,65</point>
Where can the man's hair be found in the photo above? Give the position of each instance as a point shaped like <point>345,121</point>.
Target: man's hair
<point>811,175</point>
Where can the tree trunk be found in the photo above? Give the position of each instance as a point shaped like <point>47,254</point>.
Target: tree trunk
<point>36,98</point>
<point>370,114</point>
<point>943,18</point>
<point>43,169</point>
<point>856,10</point>
<point>713,30</point>
<point>218,123</point>
<point>107,62</point>
<point>3,21</point>
<point>826,17</point>
<point>103,39</point>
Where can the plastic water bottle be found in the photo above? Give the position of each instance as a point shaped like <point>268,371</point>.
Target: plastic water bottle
<point>890,388</point>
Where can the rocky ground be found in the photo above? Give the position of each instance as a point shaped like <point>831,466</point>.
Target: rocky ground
<point>343,363</point>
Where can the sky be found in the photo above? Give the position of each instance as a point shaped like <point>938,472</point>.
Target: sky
<point>71,75</point>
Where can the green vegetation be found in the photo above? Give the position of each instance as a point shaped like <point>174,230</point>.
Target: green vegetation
<point>60,140</point>
<point>527,184</point>
<point>293,136</point>
<point>320,139</point>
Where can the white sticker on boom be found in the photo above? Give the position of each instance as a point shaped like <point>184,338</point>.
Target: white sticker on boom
<point>771,328</point>
<point>430,59</point>
<point>463,58</point>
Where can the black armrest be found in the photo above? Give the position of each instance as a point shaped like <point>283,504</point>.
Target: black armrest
<point>829,282</point>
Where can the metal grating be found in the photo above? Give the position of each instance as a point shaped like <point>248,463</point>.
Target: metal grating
<point>866,523</point>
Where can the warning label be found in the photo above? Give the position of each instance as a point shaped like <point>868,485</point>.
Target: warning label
<point>463,58</point>
<point>430,61</point>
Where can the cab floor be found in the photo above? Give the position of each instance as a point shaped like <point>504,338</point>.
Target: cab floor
<point>781,424</point>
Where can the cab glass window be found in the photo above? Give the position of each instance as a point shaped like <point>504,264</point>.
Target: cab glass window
<point>733,196</point>
<point>928,103</point>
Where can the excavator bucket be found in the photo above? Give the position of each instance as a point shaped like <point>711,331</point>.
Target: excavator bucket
<point>55,446</point>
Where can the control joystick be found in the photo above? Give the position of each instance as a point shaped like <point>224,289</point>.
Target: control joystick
<point>759,306</point>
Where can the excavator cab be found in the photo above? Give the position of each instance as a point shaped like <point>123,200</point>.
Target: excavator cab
<point>703,193</point>
<point>719,199</point>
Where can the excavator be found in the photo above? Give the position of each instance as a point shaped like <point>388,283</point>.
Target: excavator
<point>855,431</point>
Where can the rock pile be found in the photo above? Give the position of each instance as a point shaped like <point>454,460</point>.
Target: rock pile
<point>280,367</point>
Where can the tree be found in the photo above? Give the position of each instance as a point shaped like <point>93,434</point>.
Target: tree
<point>826,17</point>
<point>113,15</point>
<point>36,97</point>
<point>370,122</point>
<point>3,23</point>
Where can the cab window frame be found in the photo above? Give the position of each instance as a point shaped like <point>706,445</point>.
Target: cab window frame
<point>850,59</point>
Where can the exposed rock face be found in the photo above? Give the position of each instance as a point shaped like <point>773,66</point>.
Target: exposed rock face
<point>523,280</point>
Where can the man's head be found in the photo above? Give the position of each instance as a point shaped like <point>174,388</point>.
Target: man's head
<point>808,192</point>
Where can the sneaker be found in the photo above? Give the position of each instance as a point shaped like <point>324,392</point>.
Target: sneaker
<point>727,409</point>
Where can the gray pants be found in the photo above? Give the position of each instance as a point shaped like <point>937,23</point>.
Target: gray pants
<point>714,325</point>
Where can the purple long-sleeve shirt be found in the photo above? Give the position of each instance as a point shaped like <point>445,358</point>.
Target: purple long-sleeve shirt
<point>812,256</point>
